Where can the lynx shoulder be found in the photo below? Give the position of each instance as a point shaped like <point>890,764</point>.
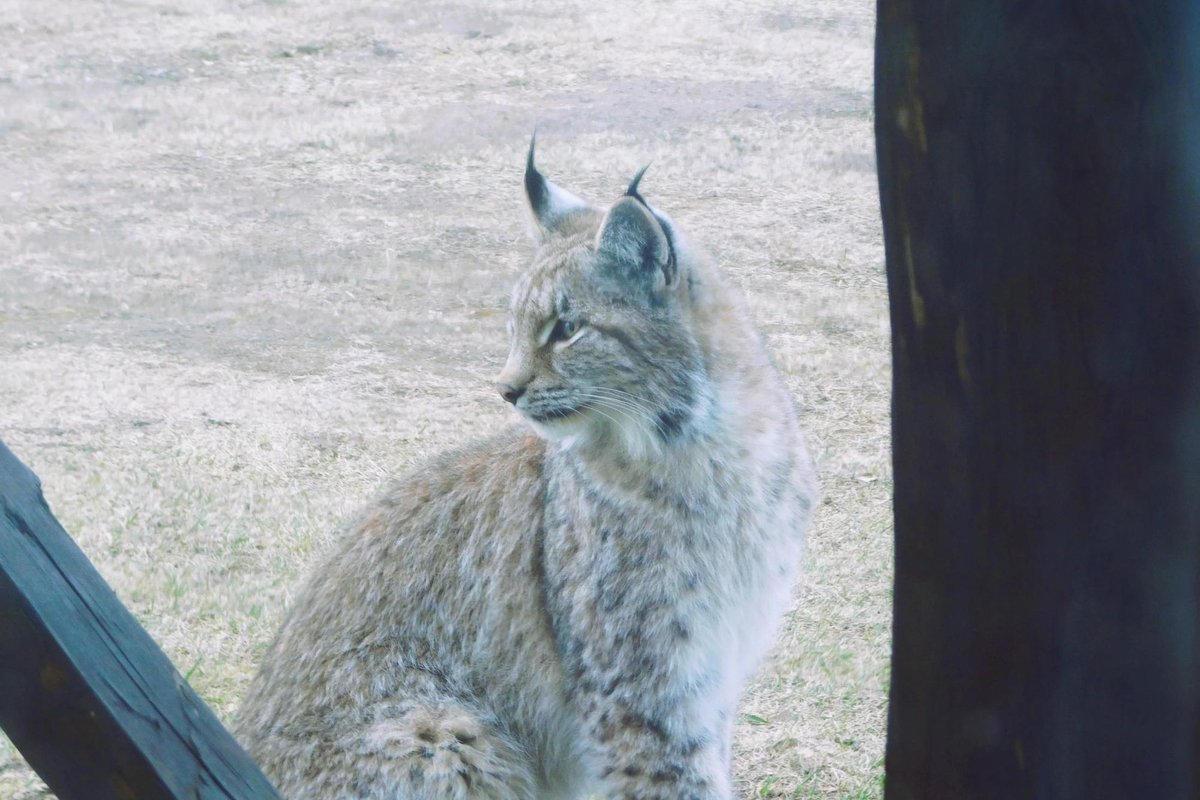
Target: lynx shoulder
<point>573,606</point>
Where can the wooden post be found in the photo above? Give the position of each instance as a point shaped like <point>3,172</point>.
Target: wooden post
<point>1039,171</point>
<point>85,694</point>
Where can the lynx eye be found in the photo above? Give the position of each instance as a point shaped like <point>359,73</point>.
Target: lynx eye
<point>563,330</point>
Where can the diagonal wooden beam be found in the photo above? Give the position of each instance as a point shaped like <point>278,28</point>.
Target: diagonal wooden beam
<point>86,695</point>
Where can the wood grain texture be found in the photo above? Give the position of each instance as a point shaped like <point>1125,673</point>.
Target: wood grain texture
<point>85,694</point>
<point>1039,170</point>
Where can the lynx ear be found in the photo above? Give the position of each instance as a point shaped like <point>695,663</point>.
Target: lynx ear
<point>549,204</point>
<point>632,239</point>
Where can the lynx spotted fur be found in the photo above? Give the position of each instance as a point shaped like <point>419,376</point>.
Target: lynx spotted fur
<point>571,612</point>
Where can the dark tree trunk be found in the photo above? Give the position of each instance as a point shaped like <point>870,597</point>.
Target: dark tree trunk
<point>1039,171</point>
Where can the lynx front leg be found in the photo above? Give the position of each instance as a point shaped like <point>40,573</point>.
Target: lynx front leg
<point>653,716</point>
<point>639,756</point>
<point>649,653</point>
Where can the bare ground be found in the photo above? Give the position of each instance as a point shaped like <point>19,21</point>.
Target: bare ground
<point>254,256</point>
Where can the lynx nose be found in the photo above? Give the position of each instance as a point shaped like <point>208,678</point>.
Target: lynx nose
<point>513,379</point>
<point>510,393</point>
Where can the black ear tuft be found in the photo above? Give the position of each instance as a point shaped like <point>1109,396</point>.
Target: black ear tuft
<point>632,191</point>
<point>549,204</point>
<point>535,183</point>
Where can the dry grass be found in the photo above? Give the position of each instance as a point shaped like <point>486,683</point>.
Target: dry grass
<point>253,256</point>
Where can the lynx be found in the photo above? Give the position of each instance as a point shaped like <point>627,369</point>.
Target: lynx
<point>571,607</point>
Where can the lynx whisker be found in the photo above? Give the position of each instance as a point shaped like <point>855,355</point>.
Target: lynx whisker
<point>634,409</point>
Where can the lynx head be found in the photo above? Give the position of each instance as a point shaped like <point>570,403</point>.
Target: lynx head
<point>601,345</point>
